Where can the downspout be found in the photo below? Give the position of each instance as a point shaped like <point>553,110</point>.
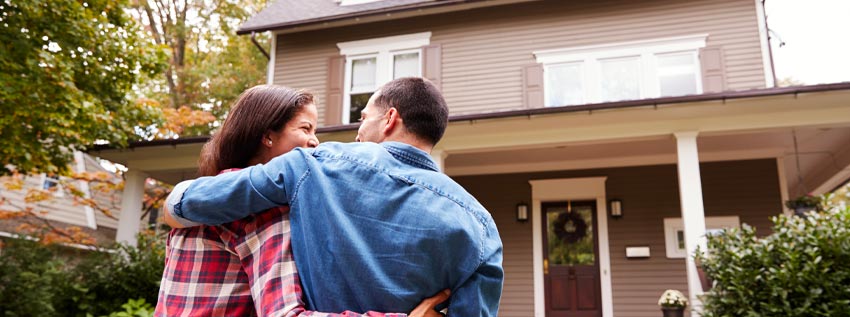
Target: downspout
<point>268,57</point>
<point>769,47</point>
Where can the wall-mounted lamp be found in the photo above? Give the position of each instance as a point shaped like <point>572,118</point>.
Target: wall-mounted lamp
<point>522,212</point>
<point>616,208</point>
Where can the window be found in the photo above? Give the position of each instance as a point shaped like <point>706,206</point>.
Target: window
<point>674,232</point>
<point>51,183</point>
<point>622,71</point>
<point>373,62</point>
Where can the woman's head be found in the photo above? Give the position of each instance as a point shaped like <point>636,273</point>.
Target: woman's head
<point>266,121</point>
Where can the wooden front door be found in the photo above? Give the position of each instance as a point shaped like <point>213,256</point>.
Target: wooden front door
<point>570,263</point>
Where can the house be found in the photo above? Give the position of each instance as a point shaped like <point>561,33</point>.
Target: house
<point>606,137</point>
<point>61,209</point>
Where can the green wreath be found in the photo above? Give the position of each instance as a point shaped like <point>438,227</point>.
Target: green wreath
<point>577,221</point>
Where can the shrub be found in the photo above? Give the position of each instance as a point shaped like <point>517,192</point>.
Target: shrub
<point>51,280</point>
<point>802,269</point>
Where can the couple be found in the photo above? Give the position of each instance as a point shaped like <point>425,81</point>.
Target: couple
<point>374,225</point>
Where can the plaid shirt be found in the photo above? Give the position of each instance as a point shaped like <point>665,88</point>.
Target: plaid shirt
<point>242,268</point>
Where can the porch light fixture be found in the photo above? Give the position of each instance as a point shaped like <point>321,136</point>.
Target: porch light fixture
<point>616,207</point>
<point>522,212</point>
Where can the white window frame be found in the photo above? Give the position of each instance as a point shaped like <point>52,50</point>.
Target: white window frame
<point>673,225</point>
<point>384,50</point>
<point>646,50</point>
<point>59,192</point>
<point>355,2</point>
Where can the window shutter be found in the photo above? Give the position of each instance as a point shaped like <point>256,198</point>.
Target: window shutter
<point>532,86</point>
<point>713,77</point>
<point>432,64</point>
<point>336,81</point>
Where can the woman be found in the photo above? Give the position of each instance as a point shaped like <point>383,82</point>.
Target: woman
<point>246,267</point>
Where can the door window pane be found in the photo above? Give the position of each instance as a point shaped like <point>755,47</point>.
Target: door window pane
<point>570,236</point>
<point>620,79</point>
<point>406,65</point>
<point>363,75</point>
<point>565,86</point>
<point>677,74</point>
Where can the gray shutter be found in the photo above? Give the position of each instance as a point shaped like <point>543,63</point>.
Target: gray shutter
<point>432,64</point>
<point>713,77</point>
<point>336,81</point>
<point>532,86</point>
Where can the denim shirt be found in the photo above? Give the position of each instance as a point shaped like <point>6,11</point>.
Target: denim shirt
<point>374,226</point>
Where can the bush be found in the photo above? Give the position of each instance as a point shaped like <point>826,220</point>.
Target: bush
<point>802,269</point>
<point>39,280</point>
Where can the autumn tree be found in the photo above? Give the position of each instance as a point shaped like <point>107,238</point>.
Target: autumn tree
<point>209,64</point>
<point>67,72</point>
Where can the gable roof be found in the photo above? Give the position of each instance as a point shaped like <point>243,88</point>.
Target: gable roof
<point>289,13</point>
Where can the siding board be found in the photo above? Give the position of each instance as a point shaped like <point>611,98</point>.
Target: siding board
<point>473,41</point>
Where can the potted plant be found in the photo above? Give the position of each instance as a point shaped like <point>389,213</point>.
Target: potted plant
<point>673,303</point>
<point>803,204</point>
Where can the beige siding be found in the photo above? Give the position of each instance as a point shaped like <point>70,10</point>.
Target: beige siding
<point>484,50</point>
<point>58,208</point>
<point>749,189</point>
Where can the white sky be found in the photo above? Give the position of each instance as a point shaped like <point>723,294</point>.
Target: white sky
<point>817,39</point>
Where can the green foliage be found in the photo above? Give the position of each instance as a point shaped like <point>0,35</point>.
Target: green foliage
<point>799,270</point>
<point>67,69</point>
<point>43,283</point>
<point>135,308</point>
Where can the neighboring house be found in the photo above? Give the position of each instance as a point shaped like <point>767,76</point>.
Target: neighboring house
<point>605,137</point>
<point>61,210</point>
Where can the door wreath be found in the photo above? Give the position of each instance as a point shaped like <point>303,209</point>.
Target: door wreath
<point>577,221</point>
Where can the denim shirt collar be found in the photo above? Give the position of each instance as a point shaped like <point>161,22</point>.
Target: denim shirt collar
<point>410,155</point>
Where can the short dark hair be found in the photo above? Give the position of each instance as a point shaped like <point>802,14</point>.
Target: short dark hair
<point>258,110</point>
<point>420,105</point>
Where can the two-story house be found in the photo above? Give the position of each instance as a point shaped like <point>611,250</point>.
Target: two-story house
<point>606,137</point>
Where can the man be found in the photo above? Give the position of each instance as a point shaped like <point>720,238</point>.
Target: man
<point>375,225</point>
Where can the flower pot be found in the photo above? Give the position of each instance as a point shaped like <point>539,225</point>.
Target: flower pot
<point>673,311</point>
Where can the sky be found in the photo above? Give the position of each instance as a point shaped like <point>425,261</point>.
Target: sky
<point>817,39</point>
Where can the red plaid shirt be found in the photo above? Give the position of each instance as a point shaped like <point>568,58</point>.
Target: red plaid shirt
<point>243,268</point>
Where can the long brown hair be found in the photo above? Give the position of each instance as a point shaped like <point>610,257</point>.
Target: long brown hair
<point>258,110</point>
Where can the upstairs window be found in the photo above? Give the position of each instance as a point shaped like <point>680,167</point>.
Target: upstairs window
<point>622,71</point>
<point>374,62</point>
<point>51,183</point>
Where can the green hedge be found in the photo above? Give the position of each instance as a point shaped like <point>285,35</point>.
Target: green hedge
<point>39,280</point>
<point>802,269</point>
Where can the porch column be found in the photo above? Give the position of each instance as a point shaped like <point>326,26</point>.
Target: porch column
<point>693,213</point>
<point>439,156</point>
<point>131,207</point>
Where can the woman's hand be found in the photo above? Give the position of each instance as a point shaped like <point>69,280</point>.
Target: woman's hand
<point>426,307</point>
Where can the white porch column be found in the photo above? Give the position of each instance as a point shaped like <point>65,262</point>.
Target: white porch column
<point>439,156</point>
<point>131,207</point>
<point>693,211</point>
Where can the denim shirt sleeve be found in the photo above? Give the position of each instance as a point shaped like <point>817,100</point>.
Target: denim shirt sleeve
<point>480,294</point>
<point>232,196</point>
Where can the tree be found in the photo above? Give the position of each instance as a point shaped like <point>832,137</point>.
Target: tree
<point>209,66</point>
<point>67,72</point>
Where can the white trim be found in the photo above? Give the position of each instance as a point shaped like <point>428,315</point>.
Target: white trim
<point>129,221</point>
<point>571,189</point>
<point>765,45</point>
<point>783,184</point>
<point>389,43</point>
<point>272,53</point>
<point>383,50</point>
<point>673,225</point>
<point>439,156</point>
<point>631,48</point>
<point>80,159</point>
<point>693,209</point>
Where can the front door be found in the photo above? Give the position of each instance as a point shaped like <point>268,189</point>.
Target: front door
<point>570,263</point>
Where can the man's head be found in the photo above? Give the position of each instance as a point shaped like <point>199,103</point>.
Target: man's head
<point>403,108</point>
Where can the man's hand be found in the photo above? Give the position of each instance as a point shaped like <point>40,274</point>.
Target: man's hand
<point>426,307</point>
